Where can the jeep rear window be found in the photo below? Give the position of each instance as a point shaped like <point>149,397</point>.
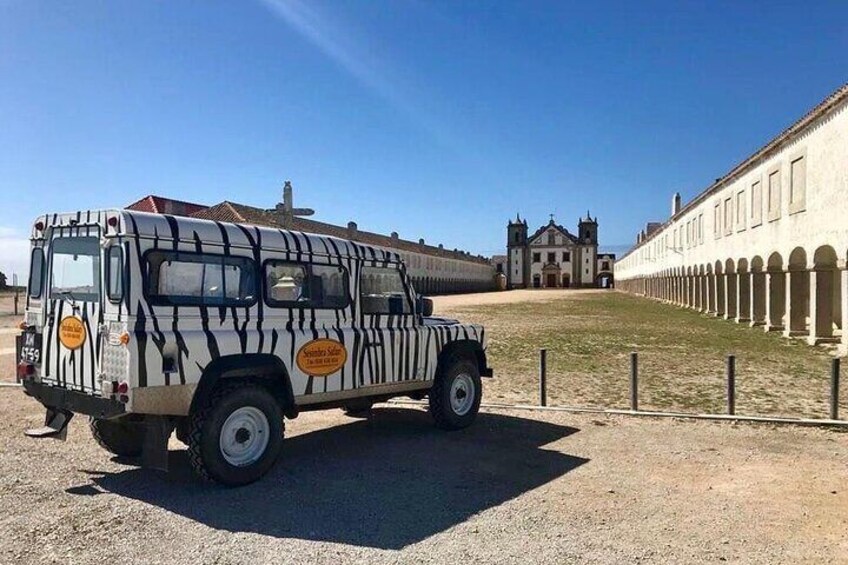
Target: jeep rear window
<point>75,268</point>
<point>178,278</point>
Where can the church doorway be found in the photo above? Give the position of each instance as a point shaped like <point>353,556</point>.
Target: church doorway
<point>551,281</point>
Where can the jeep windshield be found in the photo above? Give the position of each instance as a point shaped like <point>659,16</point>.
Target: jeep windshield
<point>75,269</point>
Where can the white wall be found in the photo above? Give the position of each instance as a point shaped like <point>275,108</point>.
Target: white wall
<point>822,220</point>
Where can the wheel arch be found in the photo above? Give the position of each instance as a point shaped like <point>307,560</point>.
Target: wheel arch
<point>468,349</point>
<point>267,369</point>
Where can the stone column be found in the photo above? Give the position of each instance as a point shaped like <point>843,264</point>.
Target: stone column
<point>730,295</point>
<point>719,295</point>
<point>775,300</point>
<point>821,305</point>
<point>711,293</point>
<point>843,285</point>
<point>797,299</point>
<point>758,298</point>
<point>743,297</point>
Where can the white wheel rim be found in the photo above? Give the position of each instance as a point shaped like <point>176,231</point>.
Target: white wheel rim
<point>244,436</point>
<point>462,394</point>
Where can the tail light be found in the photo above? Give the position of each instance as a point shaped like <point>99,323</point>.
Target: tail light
<point>122,388</point>
<point>25,370</point>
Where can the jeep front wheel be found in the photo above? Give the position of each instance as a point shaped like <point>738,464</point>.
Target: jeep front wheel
<point>455,396</point>
<point>237,435</point>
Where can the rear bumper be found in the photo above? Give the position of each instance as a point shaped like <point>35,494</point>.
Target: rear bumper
<point>72,401</point>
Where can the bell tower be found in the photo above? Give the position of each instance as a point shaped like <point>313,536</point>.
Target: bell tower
<point>588,230</point>
<point>516,253</point>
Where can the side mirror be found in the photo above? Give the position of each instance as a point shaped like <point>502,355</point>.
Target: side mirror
<point>424,306</point>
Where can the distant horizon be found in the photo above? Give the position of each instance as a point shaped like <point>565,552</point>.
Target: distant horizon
<point>436,120</point>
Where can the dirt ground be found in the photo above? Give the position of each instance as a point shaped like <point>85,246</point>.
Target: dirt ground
<point>516,487</point>
<point>589,335</point>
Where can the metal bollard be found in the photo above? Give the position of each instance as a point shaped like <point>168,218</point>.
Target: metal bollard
<point>834,389</point>
<point>634,381</point>
<point>731,384</point>
<point>543,377</point>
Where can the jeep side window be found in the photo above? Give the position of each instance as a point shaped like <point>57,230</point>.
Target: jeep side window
<point>177,278</point>
<point>36,279</point>
<point>383,292</point>
<point>298,285</point>
<point>114,272</point>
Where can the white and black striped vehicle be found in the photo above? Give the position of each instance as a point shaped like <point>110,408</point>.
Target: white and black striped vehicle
<point>148,323</point>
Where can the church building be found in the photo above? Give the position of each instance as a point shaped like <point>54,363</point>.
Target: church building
<point>554,258</point>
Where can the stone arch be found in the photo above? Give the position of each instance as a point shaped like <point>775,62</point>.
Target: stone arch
<point>775,292</point>
<point>825,295</point>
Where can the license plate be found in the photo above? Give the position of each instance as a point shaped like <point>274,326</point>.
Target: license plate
<point>31,348</point>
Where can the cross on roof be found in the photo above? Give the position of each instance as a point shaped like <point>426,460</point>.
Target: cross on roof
<point>286,209</point>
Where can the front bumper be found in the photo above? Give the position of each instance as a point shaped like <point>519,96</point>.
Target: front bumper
<point>73,401</point>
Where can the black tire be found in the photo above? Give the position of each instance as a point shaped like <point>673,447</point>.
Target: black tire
<point>206,424</point>
<point>122,438</point>
<point>358,409</point>
<point>442,408</point>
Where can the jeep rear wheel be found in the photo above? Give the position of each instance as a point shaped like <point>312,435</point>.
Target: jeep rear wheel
<point>237,434</point>
<point>456,394</point>
<point>120,437</point>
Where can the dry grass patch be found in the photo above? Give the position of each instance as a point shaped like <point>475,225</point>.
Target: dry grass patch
<point>589,336</point>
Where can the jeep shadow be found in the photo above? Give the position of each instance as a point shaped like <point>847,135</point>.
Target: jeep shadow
<point>386,482</point>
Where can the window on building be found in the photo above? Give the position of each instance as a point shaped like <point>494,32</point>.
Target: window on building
<point>500,267</point>
<point>605,265</point>
<point>701,228</point>
<point>516,238</point>
<point>798,185</point>
<point>717,219</point>
<point>756,204</point>
<point>382,291</point>
<point>178,278</point>
<point>774,195</point>
<point>728,216</point>
<point>740,210</point>
<point>551,257</point>
<point>537,257</point>
<point>566,256</point>
<point>551,238</point>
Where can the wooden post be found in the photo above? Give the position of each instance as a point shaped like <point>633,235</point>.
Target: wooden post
<point>834,389</point>
<point>543,370</point>
<point>731,385</point>
<point>634,381</point>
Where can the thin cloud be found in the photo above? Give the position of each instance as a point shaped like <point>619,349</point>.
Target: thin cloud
<point>340,46</point>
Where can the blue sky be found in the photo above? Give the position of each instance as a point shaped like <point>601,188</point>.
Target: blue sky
<point>434,119</point>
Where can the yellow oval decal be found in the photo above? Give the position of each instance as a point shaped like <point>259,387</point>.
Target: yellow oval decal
<point>71,332</point>
<point>321,357</point>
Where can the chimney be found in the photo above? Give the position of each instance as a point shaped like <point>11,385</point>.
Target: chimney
<point>395,235</point>
<point>351,230</point>
<point>675,204</point>
<point>421,241</point>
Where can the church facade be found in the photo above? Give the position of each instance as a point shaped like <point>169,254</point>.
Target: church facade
<point>552,257</point>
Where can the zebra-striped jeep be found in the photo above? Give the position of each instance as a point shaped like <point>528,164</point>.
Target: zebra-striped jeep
<point>148,323</point>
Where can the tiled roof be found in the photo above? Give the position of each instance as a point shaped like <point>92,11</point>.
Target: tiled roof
<point>558,227</point>
<point>162,205</point>
<point>240,213</point>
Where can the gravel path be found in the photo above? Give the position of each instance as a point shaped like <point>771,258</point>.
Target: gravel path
<point>517,487</point>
